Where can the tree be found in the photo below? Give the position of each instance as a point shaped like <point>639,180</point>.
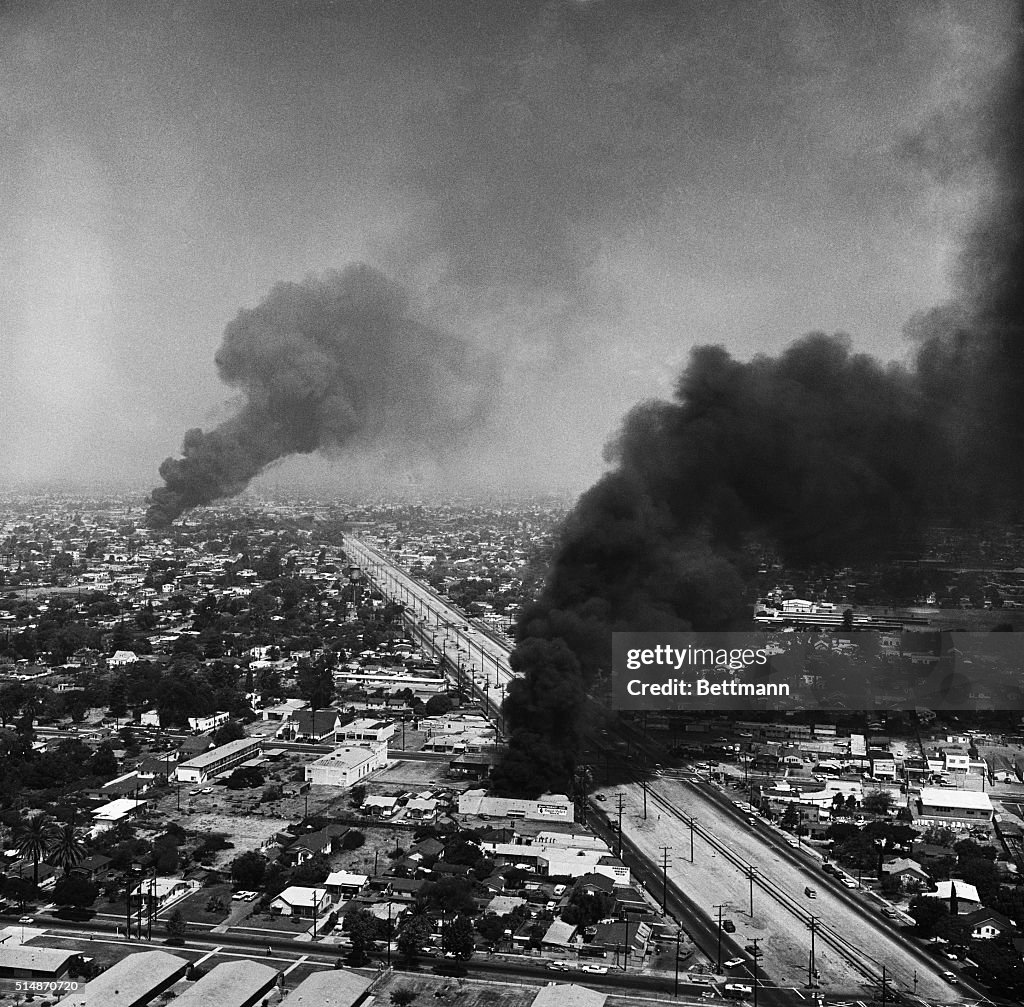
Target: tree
<point>357,795</point>
<point>74,890</point>
<point>457,937</point>
<point>928,914</point>
<point>66,847</point>
<point>491,928</point>
<point>248,870</point>
<point>438,706</point>
<point>32,839</point>
<point>231,731</point>
<point>790,817</point>
<point>316,683</point>
<point>403,996</point>
<point>176,925</point>
<point>352,840</point>
<point>312,871</point>
<point>877,802</point>
<point>361,927</point>
<point>244,777</point>
<point>414,934</point>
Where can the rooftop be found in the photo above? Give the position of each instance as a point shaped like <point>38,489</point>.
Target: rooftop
<point>229,984</point>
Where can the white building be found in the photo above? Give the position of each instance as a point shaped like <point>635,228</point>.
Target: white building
<point>217,760</point>
<point>346,766</point>
<point>366,729</point>
<point>199,725</point>
<point>114,813</point>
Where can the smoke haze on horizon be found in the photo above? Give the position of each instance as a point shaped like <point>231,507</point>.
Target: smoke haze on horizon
<point>579,192</point>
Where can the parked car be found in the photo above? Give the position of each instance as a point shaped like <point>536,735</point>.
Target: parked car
<point>733,963</point>
<point>950,977</point>
<point>849,883</point>
<point>559,966</point>
<point>728,926</point>
<point>753,949</point>
<point>810,893</point>
<point>598,970</point>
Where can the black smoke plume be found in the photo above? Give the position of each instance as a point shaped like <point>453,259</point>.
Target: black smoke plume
<point>331,362</point>
<point>827,453</point>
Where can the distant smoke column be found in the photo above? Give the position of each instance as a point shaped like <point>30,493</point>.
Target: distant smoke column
<point>829,454</point>
<point>325,363</point>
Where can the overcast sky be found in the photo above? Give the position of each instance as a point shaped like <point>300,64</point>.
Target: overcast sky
<point>582,191</point>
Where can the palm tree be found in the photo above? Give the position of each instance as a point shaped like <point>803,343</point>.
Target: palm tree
<point>66,847</point>
<point>32,839</point>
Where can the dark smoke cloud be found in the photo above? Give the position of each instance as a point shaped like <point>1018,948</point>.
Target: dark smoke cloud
<point>331,362</point>
<point>829,454</point>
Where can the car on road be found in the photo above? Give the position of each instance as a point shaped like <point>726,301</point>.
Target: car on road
<point>794,843</point>
<point>559,966</point>
<point>751,820</point>
<point>27,919</point>
<point>597,970</point>
<point>890,912</point>
<point>951,977</point>
<point>708,994</point>
<point>753,949</point>
<point>734,963</point>
<point>849,883</point>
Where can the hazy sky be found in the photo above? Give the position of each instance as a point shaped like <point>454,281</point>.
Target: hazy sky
<point>581,190</point>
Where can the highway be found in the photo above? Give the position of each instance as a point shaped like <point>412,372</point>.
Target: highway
<point>470,650</point>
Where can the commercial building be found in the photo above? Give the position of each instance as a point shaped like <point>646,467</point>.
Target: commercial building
<point>114,813</point>
<point>200,725</point>
<point>346,766</point>
<point>956,809</point>
<point>548,807</point>
<point>132,982</point>
<point>366,729</point>
<point>217,760</point>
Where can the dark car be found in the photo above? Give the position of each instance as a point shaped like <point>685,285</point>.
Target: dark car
<point>728,926</point>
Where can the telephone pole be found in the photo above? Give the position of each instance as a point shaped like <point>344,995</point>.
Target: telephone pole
<point>812,922</point>
<point>693,821</point>
<point>665,850</point>
<point>751,874</point>
<point>718,954</point>
<point>621,798</point>
<point>757,954</point>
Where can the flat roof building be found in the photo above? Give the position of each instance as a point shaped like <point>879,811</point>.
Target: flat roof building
<point>346,766</point>
<point>202,767</point>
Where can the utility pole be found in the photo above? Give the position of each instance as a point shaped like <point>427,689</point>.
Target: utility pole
<point>810,958</point>
<point>664,877</point>
<point>751,874</point>
<point>885,983</point>
<point>757,954</point>
<point>693,821</point>
<point>621,798</point>
<point>718,953</point>
<point>675,986</point>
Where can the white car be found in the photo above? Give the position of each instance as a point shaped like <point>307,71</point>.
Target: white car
<point>794,843</point>
<point>598,970</point>
<point>849,883</point>
<point>27,919</point>
<point>733,962</point>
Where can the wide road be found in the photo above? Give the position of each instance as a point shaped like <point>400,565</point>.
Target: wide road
<point>438,623</point>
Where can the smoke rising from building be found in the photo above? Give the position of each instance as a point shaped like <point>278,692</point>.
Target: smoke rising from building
<point>331,362</point>
<point>827,453</point>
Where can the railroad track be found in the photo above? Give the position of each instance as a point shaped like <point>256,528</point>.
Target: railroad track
<point>868,966</point>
